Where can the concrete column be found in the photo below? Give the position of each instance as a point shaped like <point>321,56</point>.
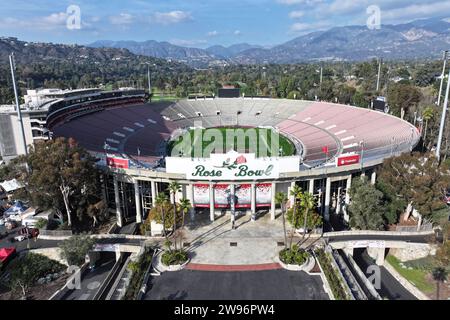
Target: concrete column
<point>211,202</point>
<point>311,186</point>
<point>232,204</point>
<point>338,201</point>
<point>153,187</point>
<point>118,253</point>
<point>348,251</point>
<point>373,178</point>
<point>327,200</point>
<point>363,173</point>
<point>347,198</point>
<point>190,196</point>
<point>380,256</point>
<point>253,196</point>
<point>117,200</point>
<point>137,197</point>
<point>272,203</point>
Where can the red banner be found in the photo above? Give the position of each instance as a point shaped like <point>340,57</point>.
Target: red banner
<point>118,163</point>
<point>347,160</point>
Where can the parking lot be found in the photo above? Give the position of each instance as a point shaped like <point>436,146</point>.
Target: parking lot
<point>246,285</point>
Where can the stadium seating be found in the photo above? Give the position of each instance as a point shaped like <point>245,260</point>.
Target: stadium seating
<point>339,128</point>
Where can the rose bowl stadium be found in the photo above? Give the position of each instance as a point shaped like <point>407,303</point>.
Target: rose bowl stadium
<point>144,146</point>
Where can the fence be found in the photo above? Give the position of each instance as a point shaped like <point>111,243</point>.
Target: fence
<point>56,233</point>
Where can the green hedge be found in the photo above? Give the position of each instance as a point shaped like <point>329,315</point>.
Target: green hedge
<point>138,268</point>
<point>334,280</point>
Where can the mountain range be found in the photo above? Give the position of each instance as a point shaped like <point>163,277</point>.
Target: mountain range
<point>420,39</point>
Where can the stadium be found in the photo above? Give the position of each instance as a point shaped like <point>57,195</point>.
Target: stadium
<point>319,145</point>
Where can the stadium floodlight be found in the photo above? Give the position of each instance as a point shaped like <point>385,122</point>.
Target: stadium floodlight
<point>442,77</point>
<point>444,113</point>
<point>12,64</point>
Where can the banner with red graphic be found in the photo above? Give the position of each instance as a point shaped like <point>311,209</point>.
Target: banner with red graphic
<point>221,192</point>
<point>243,196</point>
<point>263,194</point>
<point>201,195</point>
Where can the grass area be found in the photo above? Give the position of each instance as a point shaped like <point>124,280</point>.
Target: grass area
<point>415,276</point>
<point>243,140</point>
<point>161,97</point>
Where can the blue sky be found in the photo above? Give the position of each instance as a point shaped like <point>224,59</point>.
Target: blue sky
<point>199,23</point>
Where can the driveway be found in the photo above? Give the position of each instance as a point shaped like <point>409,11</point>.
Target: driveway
<point>246,285</point>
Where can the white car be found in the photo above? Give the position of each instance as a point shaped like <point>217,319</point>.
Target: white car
<point>20,238</point>
<point>2,222</point>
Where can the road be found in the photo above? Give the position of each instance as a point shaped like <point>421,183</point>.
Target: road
<point>246,285</point>
<point>390,287</point>
<point>92,280</point>
<point>406,238</point>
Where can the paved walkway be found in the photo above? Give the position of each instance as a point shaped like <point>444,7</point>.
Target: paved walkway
<point>251,243</point>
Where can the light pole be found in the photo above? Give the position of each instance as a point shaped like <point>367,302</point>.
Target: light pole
<point>361,143</point>
<point>442,78</point>
<point>441,128</point>
<point>380,61</point>
<point>19,113</point>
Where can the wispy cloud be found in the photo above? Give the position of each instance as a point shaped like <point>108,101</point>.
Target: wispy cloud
<point>171,17</point>
<point>122,19</point>
<point>296,14</point>
<point>212,33</point>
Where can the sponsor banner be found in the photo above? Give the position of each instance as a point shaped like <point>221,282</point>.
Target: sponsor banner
<point>263,194</point>
<point>118,162</point>
<point>368,244</point>
<point>201,195</point>
<point>221,192</point>
<point>243,196</point>
<point>232,166</point>
<point>347,160</point>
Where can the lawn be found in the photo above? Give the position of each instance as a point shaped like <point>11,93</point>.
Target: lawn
<point>415,276</point>
<point>251,141</point>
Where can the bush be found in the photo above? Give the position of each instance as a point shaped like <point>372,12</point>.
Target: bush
<point>138,269</point>
<point>75,248</point>
<point>25,270</point>
<point>174,257</point>
<point>295,255</point>
<point>41,223</point>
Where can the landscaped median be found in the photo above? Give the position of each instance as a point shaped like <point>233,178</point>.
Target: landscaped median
<point>333,277</point>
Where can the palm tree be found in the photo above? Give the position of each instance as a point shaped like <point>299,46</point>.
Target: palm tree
<point>296,191</point>
<point>161,200</point>
<point>427,115</point>
<point>281,199</point>
<point>439,275</point>
<point>173,188</point>
<point>307,202</point>
<point>185,205</point>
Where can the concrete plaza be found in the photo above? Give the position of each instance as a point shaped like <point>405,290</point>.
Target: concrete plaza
<point>251,242</point>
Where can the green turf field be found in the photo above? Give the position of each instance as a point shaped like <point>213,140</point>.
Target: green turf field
<point>202,142</point>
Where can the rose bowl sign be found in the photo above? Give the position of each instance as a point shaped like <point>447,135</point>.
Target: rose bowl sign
<point>231,166</point>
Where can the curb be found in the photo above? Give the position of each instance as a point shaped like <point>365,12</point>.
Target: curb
<point>233,268</point>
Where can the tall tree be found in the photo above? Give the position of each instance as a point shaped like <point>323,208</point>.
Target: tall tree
<point>402,97</point>
<point>427,115</point>
<point>174,188</point>
<point>307,202</point>
<point>440,276</point>
<point>366,208</point>
<point>185,206</point>
<point>281,199</point>
<point>62,176</point>
<point>296,191</point>
<point>161,201</point>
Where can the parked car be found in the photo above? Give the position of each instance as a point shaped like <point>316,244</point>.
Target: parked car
<point>10,224</point>
<point>29,232</point>
<point>20,238</point>
<point>2,221</point>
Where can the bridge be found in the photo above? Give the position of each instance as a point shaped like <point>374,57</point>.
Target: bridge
<point>376,242</point>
